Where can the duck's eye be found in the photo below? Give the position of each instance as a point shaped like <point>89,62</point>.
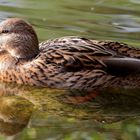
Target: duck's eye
<point>5,31</point>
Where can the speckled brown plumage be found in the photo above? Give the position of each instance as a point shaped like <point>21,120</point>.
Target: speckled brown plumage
<point>67,62</point>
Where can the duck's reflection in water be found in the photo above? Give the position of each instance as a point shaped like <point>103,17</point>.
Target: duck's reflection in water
<point>15,113</point>
<point>64,108</point>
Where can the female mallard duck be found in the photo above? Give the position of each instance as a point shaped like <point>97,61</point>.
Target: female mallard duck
<point>68,62</point>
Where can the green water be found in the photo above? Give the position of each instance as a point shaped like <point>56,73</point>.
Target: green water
<point>40,114</point>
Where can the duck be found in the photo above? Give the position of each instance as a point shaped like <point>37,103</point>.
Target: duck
<point>70,62</point>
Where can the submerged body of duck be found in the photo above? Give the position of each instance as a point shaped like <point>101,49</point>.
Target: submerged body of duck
<point>67,62</point>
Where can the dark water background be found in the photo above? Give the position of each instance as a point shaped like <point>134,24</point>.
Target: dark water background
<point>40,114</point>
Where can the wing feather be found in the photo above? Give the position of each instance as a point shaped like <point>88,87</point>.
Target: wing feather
<point>76,53</point>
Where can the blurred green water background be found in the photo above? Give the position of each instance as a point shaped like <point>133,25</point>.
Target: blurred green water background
<point>97,19</point>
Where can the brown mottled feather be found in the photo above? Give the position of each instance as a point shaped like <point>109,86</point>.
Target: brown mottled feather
<point>67,62</point>
<point>120,48</point>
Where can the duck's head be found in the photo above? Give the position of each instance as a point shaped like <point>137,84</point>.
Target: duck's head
<point>18,38</point>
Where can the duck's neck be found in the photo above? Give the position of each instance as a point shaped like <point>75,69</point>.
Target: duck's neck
<point>7,61</point>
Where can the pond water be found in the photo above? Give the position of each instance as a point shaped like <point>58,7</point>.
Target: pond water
<point>28,113</point>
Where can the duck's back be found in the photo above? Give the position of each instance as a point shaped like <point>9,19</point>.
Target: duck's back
<point>76,53</point>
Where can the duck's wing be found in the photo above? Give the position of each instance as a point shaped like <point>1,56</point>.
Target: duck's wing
<point>75,53</point>
<point>120,48</point>
<point>130,61</point>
